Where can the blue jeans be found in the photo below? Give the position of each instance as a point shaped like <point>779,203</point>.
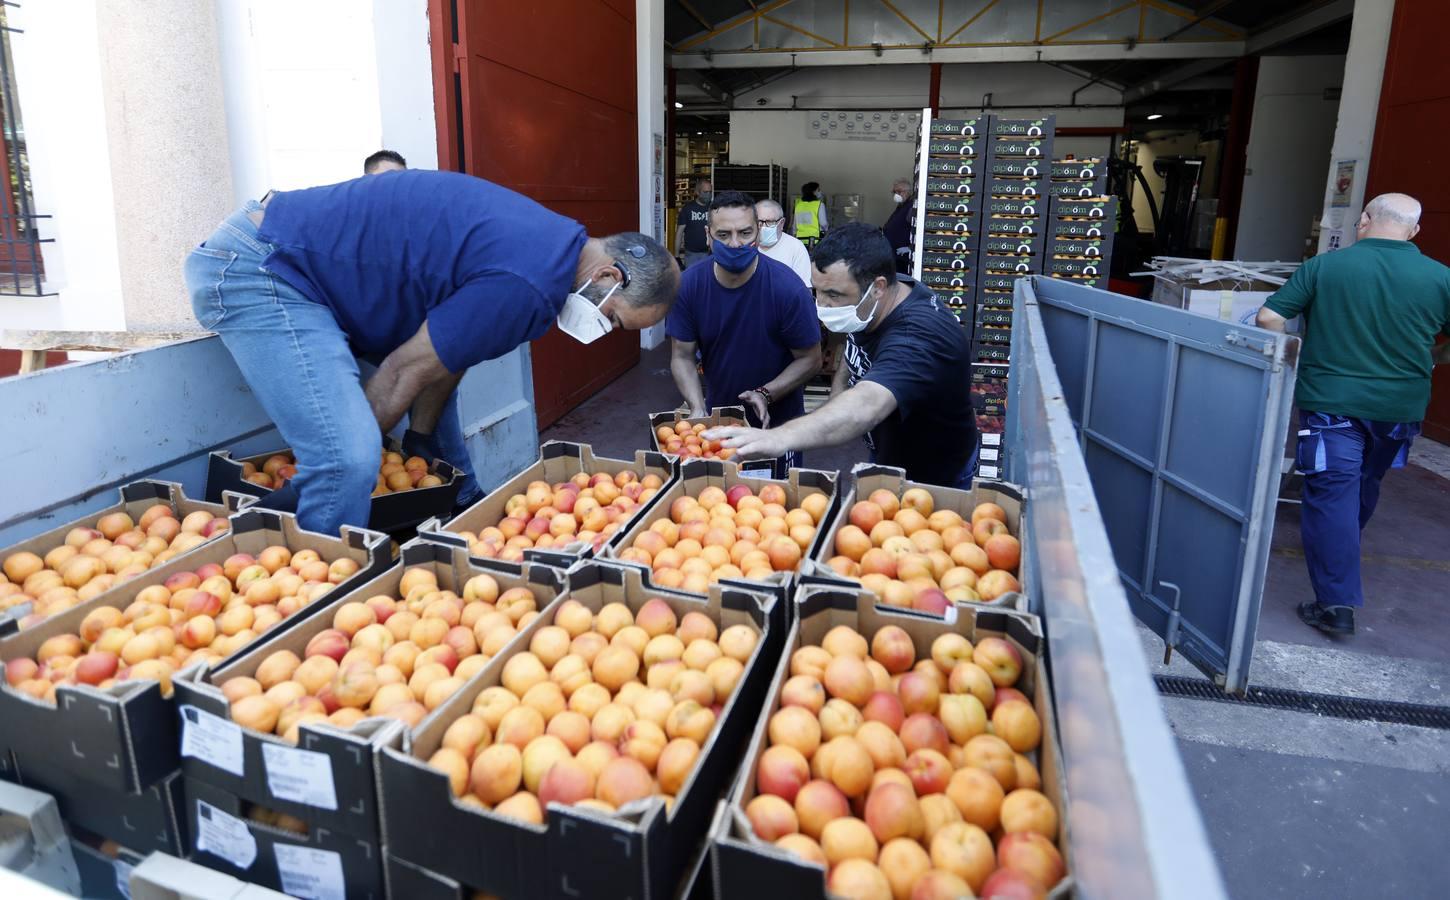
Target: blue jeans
<point>297,361</point>
<point>1343,460</point>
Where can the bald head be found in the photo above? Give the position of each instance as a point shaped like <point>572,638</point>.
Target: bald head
<point>1394,217</point>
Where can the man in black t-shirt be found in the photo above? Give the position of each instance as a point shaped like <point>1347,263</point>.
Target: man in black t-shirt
<point>905,384</point>
<point>692,238</point>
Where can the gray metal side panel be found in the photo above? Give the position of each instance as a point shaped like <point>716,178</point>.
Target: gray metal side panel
<point>1181,419</point>
<point>1133,827</point>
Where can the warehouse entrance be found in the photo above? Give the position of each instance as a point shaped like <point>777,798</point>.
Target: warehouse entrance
<point>548,112</point>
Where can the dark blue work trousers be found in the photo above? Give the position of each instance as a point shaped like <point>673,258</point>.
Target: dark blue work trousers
<point>1343,460</point>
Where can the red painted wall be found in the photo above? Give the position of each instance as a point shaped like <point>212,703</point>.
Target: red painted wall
<point>546,91</point>
<point>1411,132</point>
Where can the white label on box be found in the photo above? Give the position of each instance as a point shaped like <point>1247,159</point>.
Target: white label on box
<point>765,471</point>
<point>989,472</point>
<point>310,874</point>
<point>211,739</point>
<point>224,835</point>
<point>303,776</point>
<point>123,878</point>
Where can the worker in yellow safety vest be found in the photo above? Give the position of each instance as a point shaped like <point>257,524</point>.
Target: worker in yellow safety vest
<point>810,214</point>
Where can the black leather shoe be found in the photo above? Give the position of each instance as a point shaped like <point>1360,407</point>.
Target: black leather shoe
<point>1328,619</point>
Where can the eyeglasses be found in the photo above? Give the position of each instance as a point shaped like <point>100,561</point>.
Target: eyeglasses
<point>775,221</point>
<point>634,250</point>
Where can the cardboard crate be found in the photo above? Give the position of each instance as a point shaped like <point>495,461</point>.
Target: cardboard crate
<point>989,458</point>
<point>957,147</point>
<point>952,225</point>
<point>1003,146</point>
<point>1087,268</point>
<point>720,415</point>
<point>342,760</point>
<point>1016,207</point>
<point>963,127</point>
<point>868,477</point>
<point>136,498</point>
<point>1080,229</point>
<point>1040,126</point>
<point>698,474</point>
<point>641,852</point>
<point>960,260</point>
<point>1074,189</point>
<point>748,868</point>
<point>950,204</point>
<point>1013,244</point>
<point>124,738</point>
<point>960,167</point>
<point>1084,207</point>
<point>1016,187</point>
<point>151,820</point>
<point>558,461</point>
<point>1012,226</point>
<point>994,317</point>
<point>959,298</point>
<point>964,242</point>
<point>1087,168</point>
<point>35,842</point>
<point>993,264</point>
<point>161,876</point>
<point>965,185</point>
<point>982,352</point>
<point>389,513</point>
<point>1098,281</point>
<point>320,863</point>
<point>1090,248</point>
<point>103,875</point>
<point>947,279</point>
<point>1016,168</point>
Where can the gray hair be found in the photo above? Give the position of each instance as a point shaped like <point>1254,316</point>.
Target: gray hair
<point>766,206</point>
<point>902,180</point>
<point>1402,209</point>
<point>654,278</point>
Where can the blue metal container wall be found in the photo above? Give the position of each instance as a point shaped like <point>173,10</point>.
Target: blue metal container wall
<point>1133,824</point>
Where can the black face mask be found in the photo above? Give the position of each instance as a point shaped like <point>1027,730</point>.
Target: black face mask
<point>706,197</point>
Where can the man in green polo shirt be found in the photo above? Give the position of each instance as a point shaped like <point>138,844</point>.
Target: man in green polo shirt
<point>1372,312</point>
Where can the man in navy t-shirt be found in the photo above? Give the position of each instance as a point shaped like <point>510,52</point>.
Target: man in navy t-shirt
<point>428,272</point>
<point>752,320</point>
<point>905,384</point>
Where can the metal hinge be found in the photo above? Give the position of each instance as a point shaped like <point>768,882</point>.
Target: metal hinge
<point>1239,339</point>
<point>1175,622</point>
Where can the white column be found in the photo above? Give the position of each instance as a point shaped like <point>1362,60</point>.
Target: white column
<point>649,42</point>
<point>1359,103</point>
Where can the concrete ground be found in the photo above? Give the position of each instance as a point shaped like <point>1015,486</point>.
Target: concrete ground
<point>1296,805</point>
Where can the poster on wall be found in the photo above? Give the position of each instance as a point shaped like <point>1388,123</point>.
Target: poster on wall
<point>865,125</point>
<point>1343,192</point>
<point>657,187</point>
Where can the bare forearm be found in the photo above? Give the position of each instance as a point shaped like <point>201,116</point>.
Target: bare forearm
<point>794,375</point>
<point>390,392</point>
<point>838,380</point>
<point>428,406</point>
<point>841,419</point>
<point>687,379</point>
<point>1270,320</point>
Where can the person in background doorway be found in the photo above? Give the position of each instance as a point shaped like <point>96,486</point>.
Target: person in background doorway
<point>898,225</point>
<point>905,381</point>
<point>752,321</point>
<point>692,239</point>
<point>779,246</point>
<point>1373,312</point>
<point>432,272</point>
<point>809,221</point>
<point>384,161</point>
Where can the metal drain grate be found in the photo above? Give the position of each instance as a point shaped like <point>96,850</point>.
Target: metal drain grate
<point>1418,714</point>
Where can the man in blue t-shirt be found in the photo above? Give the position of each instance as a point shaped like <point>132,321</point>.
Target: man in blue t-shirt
<point>752,320</point>
<point>429,273</point>
<point>905,384</point>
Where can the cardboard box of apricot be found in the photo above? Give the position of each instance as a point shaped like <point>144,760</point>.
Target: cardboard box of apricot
<point>88,692</point>
<point>899,755</point>
<point>126,539</point>
<point>565,491</point>
<point>313,702</point>
<point>669,430</point>
<point>588,757</point>
<point>924,546</point>
<point>422,489</point>
<point>152,820</point>
<point>715,523</point>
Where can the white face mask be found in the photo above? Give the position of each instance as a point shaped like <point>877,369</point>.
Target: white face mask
<point>769,235</point>
<point>899,198</point>
<point>581,319</point>
<point>843,319</point>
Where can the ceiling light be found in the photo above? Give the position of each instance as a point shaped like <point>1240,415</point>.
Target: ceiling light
<point>679,105</point>
<point>1153,116</point>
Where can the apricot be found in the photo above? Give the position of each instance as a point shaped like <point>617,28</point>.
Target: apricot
<point>255,712</point>
<point>977,796</point>
<point>839,718</point>
<point>794,726</point>
<point>1025,809</point>
<point>782,771</point>
<point>519,726</point>
<point>991,753</point>
<point>848,838</point>
<point>817,804</point>
<point>623,780</point>
<point>966,851</point>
